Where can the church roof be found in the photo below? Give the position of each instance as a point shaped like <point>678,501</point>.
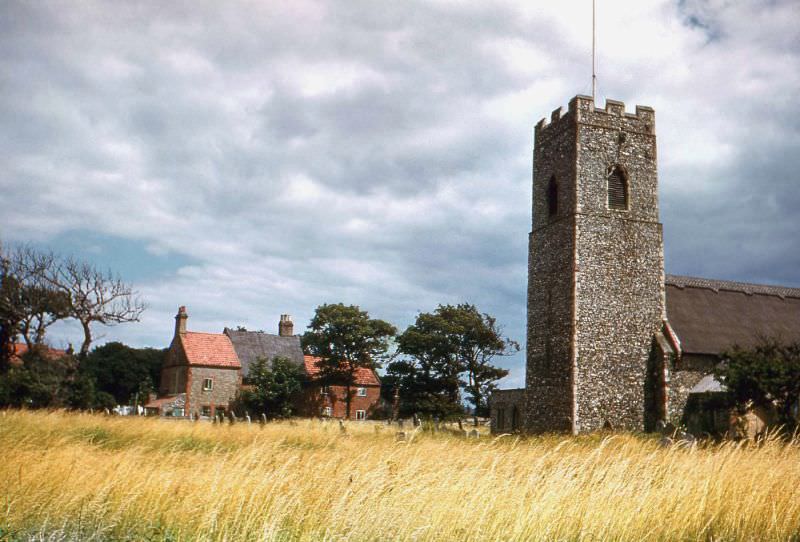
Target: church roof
<point>251,345</point>
<point>710,316</point>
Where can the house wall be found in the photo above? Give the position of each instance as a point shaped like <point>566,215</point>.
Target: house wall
<point>174,372</point>
<point>313,401</point>
<point>226,383</point>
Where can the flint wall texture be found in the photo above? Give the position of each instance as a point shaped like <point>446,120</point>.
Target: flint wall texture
<point>225,384</point>
<point>596,280</point>
<point>506,410</point>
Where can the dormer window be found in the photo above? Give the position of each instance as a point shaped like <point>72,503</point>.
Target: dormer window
<point>552,197</point>
<point>617,188</point>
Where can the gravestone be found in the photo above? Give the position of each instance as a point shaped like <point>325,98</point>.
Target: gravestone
<point>400,436</point>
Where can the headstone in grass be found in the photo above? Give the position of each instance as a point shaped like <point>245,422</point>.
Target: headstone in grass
<point>474,434</point>
<point>232,418</point>
<point>400,436</point>
<point>247,418</point>
<point>263,419</point>
<point>416,420</point>
<point>342,428</point>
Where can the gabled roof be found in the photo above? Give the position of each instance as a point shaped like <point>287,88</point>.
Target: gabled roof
<point>209,349</point>
<point>710,316</point>
<point>251,345</point>
<point>364,376</point>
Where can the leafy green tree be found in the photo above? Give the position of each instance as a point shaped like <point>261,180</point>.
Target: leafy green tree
<point>451,349</point>
<point>767,375</point>
<point>273,387</point>
<point>346,339</point>
<point>125,373</point>
<point>41,381</point>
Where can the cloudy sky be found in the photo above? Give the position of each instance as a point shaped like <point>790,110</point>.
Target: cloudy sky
<point>248,159</point>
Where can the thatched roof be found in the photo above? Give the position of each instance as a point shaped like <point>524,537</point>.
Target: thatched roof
<point>709,316</point>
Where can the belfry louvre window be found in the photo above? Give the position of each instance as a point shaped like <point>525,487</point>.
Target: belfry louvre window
<point>552,197</point>
<point>617,188</point>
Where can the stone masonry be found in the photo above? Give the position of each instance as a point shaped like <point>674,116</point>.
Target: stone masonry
<point>596,271</point>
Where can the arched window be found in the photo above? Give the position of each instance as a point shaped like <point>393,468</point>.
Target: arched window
<point>552,197</point>
<point>617,188</point>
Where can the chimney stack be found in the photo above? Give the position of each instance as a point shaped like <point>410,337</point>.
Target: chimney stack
<point>180,321</point>
<point>286,326</point>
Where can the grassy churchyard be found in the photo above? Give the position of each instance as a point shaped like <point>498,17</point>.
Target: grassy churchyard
<point>90,477</point>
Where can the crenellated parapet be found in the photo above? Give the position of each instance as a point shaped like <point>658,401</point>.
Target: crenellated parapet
<point>581,109</point>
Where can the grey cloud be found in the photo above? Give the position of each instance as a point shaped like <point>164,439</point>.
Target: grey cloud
<point>365,152</point>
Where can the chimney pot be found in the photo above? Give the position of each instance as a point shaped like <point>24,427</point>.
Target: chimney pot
<point>180,320</point>
<point>286,326</point>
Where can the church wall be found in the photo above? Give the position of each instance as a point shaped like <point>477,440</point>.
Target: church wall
<point>503,405</point>
<point>690,370</point>
<point>548,404</point>
<point>618,293</point>
<point>619,266</point>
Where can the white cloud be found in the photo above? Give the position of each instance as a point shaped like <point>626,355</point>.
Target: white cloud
<point>379,153</point>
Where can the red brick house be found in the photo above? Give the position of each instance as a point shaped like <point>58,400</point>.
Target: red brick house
<point>202,373</point>
<point>331,401</point>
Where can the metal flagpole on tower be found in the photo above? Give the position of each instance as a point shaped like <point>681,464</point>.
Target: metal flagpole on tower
<point>594,75</point>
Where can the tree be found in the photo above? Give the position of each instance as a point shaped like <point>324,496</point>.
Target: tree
<point>766,375</point>
<point>273,387</point>
<point>450,349</point>
<point>94,297</point>
<point>28,303</point>
<point>346,339</point>
<point>43,380</point>
<point>127,374</point>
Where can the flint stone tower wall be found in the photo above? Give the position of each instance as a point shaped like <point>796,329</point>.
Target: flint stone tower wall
<point>595,273</point>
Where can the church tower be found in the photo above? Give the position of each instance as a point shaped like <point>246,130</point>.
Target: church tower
<point>595,268</point>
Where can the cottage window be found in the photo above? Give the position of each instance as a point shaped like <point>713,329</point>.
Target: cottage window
<point>205,411</point>
<point>325,390</point>
<point>208,384</point>
<point>617,188</point>
<point>361,414</point>
<point>552,197</point>
<point>361,392</point>
<point>327,412</point>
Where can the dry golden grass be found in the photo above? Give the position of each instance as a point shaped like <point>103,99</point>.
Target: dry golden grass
<point>80,477</point>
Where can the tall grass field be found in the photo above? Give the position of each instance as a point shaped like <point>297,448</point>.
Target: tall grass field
<point>83,477</point>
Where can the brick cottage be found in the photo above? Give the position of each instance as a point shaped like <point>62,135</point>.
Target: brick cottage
<point>203,372</point>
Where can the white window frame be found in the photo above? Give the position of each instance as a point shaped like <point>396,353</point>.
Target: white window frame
<point>325,390</point>
<point>361,392</point>
<point>327,411</point>
<point>208,384</point>
<point>361,415</point>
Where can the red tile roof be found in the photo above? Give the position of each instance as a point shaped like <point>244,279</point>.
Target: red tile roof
<point>20,349</point>
<point>209,349</point>
<point>364,376</point>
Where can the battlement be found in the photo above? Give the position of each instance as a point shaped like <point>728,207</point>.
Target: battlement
<point>581,108</point>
